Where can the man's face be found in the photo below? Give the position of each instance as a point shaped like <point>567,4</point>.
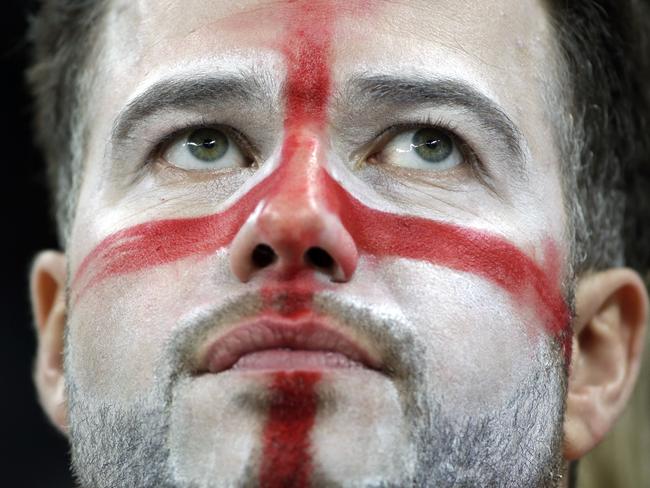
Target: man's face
<point>319,242</point>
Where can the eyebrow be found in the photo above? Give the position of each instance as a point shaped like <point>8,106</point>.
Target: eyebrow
<point>195,92</point>
<point>410,92</point>
<point>189,92</point>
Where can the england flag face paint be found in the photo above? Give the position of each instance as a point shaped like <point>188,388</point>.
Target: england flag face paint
<point>323,246</point>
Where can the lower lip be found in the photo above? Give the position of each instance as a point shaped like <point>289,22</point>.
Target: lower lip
<point>293,360</point>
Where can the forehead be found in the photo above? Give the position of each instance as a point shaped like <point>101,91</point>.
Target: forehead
<point>494,44</point>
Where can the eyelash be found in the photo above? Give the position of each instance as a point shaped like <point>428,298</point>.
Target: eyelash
<point>380,140</point>
<point>376,144</point>
<point>248,149</point>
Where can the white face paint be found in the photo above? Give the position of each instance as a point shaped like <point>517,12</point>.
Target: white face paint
<point>429,370</point>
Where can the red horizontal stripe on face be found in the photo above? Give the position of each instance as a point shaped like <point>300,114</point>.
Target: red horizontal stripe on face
<point>493,258</point>
<point>376,233</point>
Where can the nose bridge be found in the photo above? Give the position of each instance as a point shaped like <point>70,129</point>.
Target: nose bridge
<point>297,224</point>
<point>296,209</point>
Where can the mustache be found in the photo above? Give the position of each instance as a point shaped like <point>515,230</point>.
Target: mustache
<point>387,331</point>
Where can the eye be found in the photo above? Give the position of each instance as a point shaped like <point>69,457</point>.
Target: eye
<point>204,149</point>
<point>426,148</point>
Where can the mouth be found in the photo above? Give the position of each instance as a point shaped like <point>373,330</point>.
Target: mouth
<point>277,344</point>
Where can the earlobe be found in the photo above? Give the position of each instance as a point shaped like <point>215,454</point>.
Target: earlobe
<point>47,286</point>
<point>611,315</point>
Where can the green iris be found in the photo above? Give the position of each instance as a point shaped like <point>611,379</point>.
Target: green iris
<point>432,145</point>
<point>208,145</point>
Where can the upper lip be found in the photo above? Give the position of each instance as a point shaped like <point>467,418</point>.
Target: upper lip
<point>312,334</point>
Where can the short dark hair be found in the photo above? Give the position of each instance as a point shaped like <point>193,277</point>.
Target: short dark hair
<point>604,47</point>
<point>64,36</point>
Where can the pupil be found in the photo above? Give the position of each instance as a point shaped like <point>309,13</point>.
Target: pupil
<point>432,145</point>
<point>207,145</point>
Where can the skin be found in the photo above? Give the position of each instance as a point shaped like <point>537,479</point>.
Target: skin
<point>453,345</point>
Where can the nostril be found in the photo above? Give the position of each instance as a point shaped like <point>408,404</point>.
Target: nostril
<point>319,258</point>
<point>263,256</point>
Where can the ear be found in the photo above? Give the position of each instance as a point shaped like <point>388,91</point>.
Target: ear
<point>47,284</point>
<point>611,315</point>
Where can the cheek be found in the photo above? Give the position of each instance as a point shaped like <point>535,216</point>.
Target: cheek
<point>477,342</point>
<point>118,332</point>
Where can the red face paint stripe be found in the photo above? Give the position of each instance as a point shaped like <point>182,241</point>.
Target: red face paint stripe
<point>156,243</point>
<point>286,458</point>
<point>375,232</point>
<point>306,51</point>
<point>385,234</point>
<point>276,300</point>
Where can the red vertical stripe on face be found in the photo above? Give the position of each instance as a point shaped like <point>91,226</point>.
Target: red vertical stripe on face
<point>286,458</point>
<point>290,301</point>
<point>306,50</point>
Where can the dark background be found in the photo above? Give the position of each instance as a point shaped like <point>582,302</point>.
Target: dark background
<point>33,454</point>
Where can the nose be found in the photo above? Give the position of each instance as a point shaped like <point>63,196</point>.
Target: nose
<point>297,225</point>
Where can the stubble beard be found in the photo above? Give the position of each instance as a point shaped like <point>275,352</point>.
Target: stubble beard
<point>515,445</point>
